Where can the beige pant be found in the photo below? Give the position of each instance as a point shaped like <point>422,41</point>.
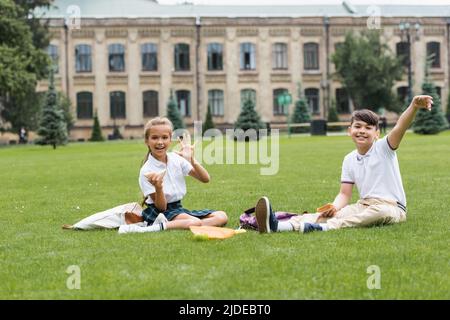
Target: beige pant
<point>364,213</point>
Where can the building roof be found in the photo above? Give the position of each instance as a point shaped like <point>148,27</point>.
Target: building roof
<point>150,8</point>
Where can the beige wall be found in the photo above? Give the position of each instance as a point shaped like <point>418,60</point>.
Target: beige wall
<point>263,32</point>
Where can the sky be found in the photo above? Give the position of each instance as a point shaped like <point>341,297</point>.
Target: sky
<point>298,2</point>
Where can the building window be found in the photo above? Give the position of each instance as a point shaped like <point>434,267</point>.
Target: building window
<point>52,52</point>
<point>312,97</point>
<point>403,52</point>
<point>248,59</point>
<point>248,94</point>
<point>215,56</point>
<point>149,52</point>
<point>150,99</point>
<point>84,105</point>
<point>182,57</point>
<point>215,102</point>
<point>279,56</point>
<point>277,108</point>
<point>434,53</point>
<point>116,57</point>
<point>311,56</point>
<point>117,104</point>
<point>402,94</point>
<point>342,101</point>
<point>184,102</point>
<point>83,58</point>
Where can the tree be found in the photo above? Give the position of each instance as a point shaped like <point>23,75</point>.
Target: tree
<point>22,62</point>
<point>333,117</point>
<point>173,114</point>
<point>53,128</point>
<point>433,121</point>
<point>368,70</point>
<point>209,123</point>
<point>248,119</point>
<point>301,112</point>
<point>65,105</point>
<point>96,130</point>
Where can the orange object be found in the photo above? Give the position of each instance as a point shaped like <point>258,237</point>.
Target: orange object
<point>325,207</point>
<point>214,232</point>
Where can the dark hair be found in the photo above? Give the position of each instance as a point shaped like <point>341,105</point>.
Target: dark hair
<point>369,117</point>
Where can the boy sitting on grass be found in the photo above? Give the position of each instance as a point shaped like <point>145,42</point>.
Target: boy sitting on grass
<point>372,167</point>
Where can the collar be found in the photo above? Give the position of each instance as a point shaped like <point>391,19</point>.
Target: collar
<point>361,157</point>
<point>158,163</point>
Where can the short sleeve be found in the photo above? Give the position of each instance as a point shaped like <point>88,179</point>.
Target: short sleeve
<point>146,187</point>
<point>347,174</point>
<point>186,167</point>
<point>384,146</point>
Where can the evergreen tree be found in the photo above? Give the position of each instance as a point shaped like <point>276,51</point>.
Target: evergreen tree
<point>433,121</point>
<point>208,124</point>
<point>96,130</point>
<point>53,128</point>
<point>173,114</point>
<point>333,117</point>
<point>249,119</point>
<point>301,113</point>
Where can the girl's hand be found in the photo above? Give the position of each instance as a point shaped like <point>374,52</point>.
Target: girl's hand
<point>187,150</point>
<point>422,102</point>
<point>155,178</point>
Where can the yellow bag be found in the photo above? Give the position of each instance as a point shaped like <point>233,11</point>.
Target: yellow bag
<point>207,232</point>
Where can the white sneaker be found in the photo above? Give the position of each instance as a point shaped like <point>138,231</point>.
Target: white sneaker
<point>130,228</point>
<point>161,218</point>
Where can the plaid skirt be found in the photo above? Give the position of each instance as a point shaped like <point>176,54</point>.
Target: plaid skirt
<point>173,209</point>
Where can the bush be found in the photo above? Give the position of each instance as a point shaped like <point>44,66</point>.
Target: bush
<point>301,113</point>
<point>333,117</point>
<point>96,130</point>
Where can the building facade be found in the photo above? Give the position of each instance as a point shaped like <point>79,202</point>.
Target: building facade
<point>124,68</point>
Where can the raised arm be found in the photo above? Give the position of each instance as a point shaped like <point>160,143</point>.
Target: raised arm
<point>187,152</point>
<point>396,135</point>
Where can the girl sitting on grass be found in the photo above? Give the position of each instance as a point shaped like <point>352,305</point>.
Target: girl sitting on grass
<point>162,182</point>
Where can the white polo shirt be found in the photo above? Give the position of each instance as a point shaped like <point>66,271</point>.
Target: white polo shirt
<point>174,185</point>
<point>376,174</point>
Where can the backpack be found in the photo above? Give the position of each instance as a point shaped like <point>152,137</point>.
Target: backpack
<point>248,221</point>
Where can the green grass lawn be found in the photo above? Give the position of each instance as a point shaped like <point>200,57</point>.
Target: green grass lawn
<point>41,189</point>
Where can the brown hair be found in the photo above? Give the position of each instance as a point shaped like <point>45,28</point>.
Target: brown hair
<point>369,117</point>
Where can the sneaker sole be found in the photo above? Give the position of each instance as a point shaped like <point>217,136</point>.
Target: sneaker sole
<point>262,215</point>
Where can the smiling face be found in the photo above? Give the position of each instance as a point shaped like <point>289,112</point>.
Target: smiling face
<point>363,135</point>
<point>159,139</point>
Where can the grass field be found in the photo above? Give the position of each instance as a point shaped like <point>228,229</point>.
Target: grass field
<point>41,189</point>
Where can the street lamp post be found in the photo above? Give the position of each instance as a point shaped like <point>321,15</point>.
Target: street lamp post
<point>406,31</point>
<point>284,100</point>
